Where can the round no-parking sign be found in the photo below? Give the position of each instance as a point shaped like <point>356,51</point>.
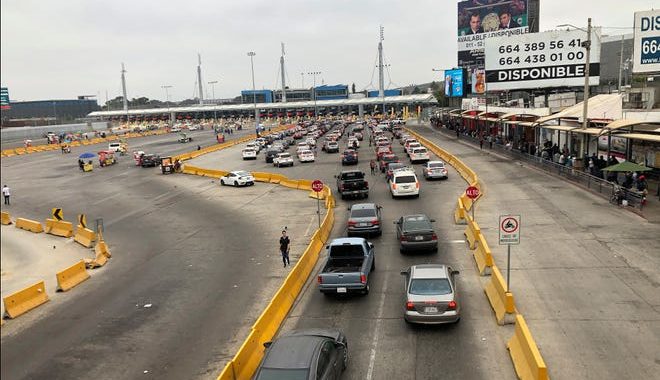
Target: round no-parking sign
<point>509,229</point>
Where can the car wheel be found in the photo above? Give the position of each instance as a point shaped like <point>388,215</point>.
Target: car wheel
<point>236,183</point>
<point>222,182</point>
<point>417,195</point>
<point>344,363</point>
<point>373,265</point>
<point>366,196</point>
<point>366,290</point>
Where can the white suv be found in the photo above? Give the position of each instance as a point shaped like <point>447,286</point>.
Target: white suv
<point>419,155</point>
<point>306,156</point>
<point>404,182</point>
<point>283,159</point>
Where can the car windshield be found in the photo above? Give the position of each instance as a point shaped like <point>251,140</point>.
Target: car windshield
<point>411,223</point>
<point>436,165</point>
<point>352,175</point>
<point>282,374</point>
<point>405,179</point>
<point>242,174</point>
<point>395,165</point>
<point>389,158</point>
<point>363,213</point>
<point>285,155</point>
<point>429,286</point>
<point>419,151</point>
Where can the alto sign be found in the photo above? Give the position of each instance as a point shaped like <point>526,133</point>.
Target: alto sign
<point>646,43</point>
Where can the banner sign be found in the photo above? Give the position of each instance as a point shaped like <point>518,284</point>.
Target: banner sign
<point>4,98</point>
<point>454,83</point>
<point>538,60</point>
<point>479,21</point>
<point>646,44</point>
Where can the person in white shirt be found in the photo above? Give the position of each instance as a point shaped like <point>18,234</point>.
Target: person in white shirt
<point>6,192</point>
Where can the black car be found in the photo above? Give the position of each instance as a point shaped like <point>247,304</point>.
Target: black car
<point>270,154</point>
<point>349,157</point>
<point>150,160</point>
<point>305,355</point>
<point>416,233</point>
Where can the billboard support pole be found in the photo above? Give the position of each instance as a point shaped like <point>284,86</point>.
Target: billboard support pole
<point>585,103</point>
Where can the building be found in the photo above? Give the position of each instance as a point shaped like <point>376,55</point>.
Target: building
<point>326,92</point>
<point>294,95</point>
<point>374,93</point>
<point>612,65</point>
<point>262,96</point>
<point>58,109</point>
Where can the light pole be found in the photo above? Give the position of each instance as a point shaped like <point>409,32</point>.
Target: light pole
<point>167,99</point>
<point>251,54</point>
<point>585,104</point>
<point>215,110</point>
<point>314,74</point>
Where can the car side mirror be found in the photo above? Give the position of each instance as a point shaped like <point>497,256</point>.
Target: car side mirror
<point>371,245</point>
<point>455,272</point>
<point>340,345</point>
<point>404,273</point>
<point>432,220</point>
<point>267,344</point>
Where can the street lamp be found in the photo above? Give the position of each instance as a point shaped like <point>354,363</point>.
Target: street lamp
<point>314,74</point>
<point>585,104</point>
<point>215,110</point>
<point>251,54</point>
<point>167,99</point>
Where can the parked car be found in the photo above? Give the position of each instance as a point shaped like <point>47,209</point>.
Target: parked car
<point>283,159</point>
<point>237,178</point>
<point>431,294</point>
<point>304,355</point>
<point>348,266</point>
<point>349,157</point>
<point>435,169</point>
<point>416,233</point>
<point>364,218</point>
<point>351,183</point>
<point>419,155</point>
<point>249,154</point>
<point>404,182</point>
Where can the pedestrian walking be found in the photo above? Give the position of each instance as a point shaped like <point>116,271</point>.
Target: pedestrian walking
<point>490,141</point>
<point>6,193</point>
<point>481,141</point>
<point>372,165</point>
<point>284,248</point>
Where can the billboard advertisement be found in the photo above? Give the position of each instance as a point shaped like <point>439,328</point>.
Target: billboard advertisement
<point>4,98</point>
<point>454,83</point>
<point>646,44</point>
<point>538,60</point>
<point>480,20</point>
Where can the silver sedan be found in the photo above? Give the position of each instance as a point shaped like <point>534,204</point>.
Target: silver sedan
<point>431,294</point>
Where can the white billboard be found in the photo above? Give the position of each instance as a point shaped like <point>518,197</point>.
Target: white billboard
<point>646,45</point>
<point>538,60</point>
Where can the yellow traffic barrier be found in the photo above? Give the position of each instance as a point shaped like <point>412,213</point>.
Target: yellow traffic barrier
<point>483,256</point>
<point>467,202</point>
<point>71,276</point>
<point>261,177</point>
<point>6,218</point>
<point>25,300</point>
<point>102,248</point>
<point>526,357</point>
<point>290,183</point>
<point>472,232</point>
<point>276,178</point>
<point>315,195</point>
<point>59,228</point>
<point>305,184</point>
<point>84,236</point>
<point>29,225</point>
<point>99,260</point>
<point>500,300</point>
<point>460,212</point>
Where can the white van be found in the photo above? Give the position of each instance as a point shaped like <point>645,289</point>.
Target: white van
<point>404,182</point>
<point>114,146</point>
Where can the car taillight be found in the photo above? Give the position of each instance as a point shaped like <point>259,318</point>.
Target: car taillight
<point>319,279</point>
<point>434,237</point>
<point>366,184</point>
<point>375,222</point>
<point>417,185</point>
<point>451,305</point>
<point>410,306</point>
<point>363,278</point>
<point>352,223</point>
<point>403,238</point>
<point>341,187</point>
<point>394,186</point>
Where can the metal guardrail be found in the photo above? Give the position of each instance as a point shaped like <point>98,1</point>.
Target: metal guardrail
<point>597,185</point>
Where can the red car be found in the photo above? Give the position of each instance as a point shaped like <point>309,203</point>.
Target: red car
<point>382,151</point>
<point>386,159</point>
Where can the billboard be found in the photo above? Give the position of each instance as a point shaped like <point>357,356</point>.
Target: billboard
<point>539,60</point>
<point>4,98</point>
<point>454,83</point>
<point>646,44</point>
<point>480,20</point>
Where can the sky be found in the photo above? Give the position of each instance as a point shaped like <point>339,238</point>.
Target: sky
<point>62,49</point>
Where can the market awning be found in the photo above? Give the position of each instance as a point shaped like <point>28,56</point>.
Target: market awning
<point>588,131</point>
<point>604,106</point>
<point>563,128</point>
<point>625,123</point>
<point>641,136</point>
<point>455,112</point>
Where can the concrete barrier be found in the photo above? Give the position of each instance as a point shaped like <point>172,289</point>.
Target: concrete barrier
<point>102,248</point>
<point>29,225</point>
<point>6,218</point>
<point>276,178</point>
<point>261,176</point>
<point>472,232</point>
<point>460,212</point>
<point>59,228</point>
<point>25,300</point>
<point>71,276</point>
<point>97,261</point>
<point>467,202</point>
<point>500,300</point>
<point>290,183</point>
<point>525,354</point>
<point>483,256</point>
<point>84,236</point>
<point>305,184</point>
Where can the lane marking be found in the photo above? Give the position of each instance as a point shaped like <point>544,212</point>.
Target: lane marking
<point>374,342</point>
<point>456,241</point>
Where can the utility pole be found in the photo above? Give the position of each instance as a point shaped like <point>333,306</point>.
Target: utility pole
<point>314,74</point>
<point>167,100</point>
<point>123,88</point>
<point>199,78</point>
<point>215,111</point>
<point>620,63</point>
<point>251,54</point>
<point>585,109</point>
<point>283,75</point>
<point>381,74</point>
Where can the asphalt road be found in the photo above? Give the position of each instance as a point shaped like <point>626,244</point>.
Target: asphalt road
<point>203,256</point>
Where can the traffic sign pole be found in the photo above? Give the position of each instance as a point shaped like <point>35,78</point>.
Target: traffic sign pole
<point>509,234</point>
<point>508,268</point>
<point>317,186</point>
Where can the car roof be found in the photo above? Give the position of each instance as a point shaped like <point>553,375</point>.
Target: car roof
<point>429,271</point>
<point>363,206</point>
<point>295,351</point>
<point>435,162</point>
<point>352,240</point>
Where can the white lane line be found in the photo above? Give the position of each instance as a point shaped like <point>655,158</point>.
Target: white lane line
<point>456,241</point>
<point>374,342</point>
<point>311,224</point>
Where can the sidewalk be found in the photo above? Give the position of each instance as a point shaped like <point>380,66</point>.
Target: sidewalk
<point>650,211</point>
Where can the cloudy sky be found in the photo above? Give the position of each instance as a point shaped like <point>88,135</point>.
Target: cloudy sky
<point>61,49</point>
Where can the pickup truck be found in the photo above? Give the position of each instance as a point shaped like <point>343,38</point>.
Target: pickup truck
<point>350,262</point>
<point>351,183</point>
